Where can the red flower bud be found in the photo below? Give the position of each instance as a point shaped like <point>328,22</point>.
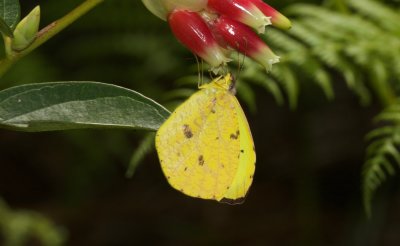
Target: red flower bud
<point>244,40</point>
<point>192,31</point>
<point>277,19</point>
<point>241,10</point>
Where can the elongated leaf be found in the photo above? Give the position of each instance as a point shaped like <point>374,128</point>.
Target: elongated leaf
<point>75,105</point>
<point>10,12</point>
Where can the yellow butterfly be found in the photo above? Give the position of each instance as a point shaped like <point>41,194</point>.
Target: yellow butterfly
<point>205,147</point>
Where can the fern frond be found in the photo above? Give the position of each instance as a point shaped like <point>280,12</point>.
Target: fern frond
<point>289,82</point>
<point>284,42</point>
<point>385,16</point>
<point>252,75</point>
<point>248,96</point>
<point>379,77</point>
<point>316,71</point>
<point>382,153</point>
<point>145,147</point>
<point>346,24</point>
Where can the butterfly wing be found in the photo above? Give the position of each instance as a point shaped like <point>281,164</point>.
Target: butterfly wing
<point>199,145</point>
<point>247,161</point>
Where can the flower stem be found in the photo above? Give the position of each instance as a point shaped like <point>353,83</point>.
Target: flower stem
<point>48,32</point>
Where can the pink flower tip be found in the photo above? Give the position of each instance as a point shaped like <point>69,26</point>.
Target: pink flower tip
<point>277,19</point>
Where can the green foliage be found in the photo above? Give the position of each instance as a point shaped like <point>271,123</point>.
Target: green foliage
<point>382,153</point>
<point>145,147</point>
<point>363,46</point>
<point>26,30</point>
<point>10,13</point>
<point>75,105</point>
<point>18,227</point>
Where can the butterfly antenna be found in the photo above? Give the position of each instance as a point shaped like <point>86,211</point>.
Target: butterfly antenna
<point>241,61</point>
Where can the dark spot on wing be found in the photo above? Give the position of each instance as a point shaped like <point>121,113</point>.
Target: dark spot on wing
<point>254,148</point>
<point>251,176</point>
<point>235,135</point>
<point>213,110</point>
<point>242,151</point>
<point>228,187</point>
<point>168,177</point>
<point>185,169</point>
<point>187,131</point>
<point>217,138</point>
<point>201,160</point>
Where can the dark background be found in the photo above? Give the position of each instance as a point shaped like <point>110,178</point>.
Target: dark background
<point>307,186</point>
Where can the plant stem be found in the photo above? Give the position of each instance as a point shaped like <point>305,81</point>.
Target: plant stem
<point>48,32</point>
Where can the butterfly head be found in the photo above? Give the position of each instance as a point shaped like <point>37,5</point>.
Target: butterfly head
<point>226,82</point>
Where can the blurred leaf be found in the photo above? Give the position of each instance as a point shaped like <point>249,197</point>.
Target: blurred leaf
<point>75,105</point>
<point>178,93</point>
<point>245,93</point>
<point>143,149</point>
<point>289,83</point>
<point>18,227</point>
<point>251,75</point>
<point>10,12</point>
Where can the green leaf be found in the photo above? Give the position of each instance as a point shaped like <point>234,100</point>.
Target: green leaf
<point>76,105</point>
<point>4,29</point>
<point>10,12</point>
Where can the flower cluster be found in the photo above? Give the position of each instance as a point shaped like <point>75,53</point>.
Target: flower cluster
<point>211,29</point>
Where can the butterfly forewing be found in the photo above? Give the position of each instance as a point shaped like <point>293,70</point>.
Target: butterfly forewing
<point>199,144</point>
